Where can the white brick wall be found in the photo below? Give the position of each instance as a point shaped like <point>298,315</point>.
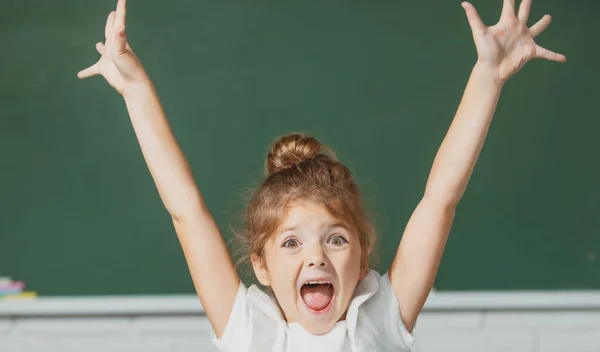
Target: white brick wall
<point>126,334</point>
<point>436,332</point>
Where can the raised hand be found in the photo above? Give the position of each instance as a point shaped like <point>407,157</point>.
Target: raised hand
<point>118,64</point>
<point>509,44</point>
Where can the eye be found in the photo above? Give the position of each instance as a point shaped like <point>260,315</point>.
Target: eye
<point>337,240</point>
<point>291,243</point>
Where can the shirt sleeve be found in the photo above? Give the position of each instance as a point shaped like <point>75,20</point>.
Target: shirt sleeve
<point>395,323</point>
<point>237,333</point>
<point>383,315</point>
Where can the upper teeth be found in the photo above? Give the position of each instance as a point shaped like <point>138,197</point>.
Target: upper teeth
<point>317,282</point>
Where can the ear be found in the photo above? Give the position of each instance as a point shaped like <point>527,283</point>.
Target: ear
<point>364,269</point>
<point>363,273</point>
<point>260,270</point>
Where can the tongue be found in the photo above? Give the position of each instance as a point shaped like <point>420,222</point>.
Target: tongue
<point>317,297</point>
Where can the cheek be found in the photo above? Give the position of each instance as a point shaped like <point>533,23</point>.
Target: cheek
<point>282,274</point>
<point>282,267</point>
<point>357,256</point>
<point>348,265</point>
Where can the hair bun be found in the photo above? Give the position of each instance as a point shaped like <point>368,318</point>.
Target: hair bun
<point>292,149</point>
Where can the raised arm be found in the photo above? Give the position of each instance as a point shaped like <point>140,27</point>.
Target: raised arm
<point>210,265</point>
<point>502,50</point>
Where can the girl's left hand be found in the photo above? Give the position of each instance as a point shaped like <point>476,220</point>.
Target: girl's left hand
<point>508,45</point>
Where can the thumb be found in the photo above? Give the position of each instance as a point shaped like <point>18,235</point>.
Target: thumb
<point>477,26</point>
<point>89,72</point>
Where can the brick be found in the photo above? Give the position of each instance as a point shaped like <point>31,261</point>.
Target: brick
<point>543,320</point>
<point>64,326</point>
<point>476,342</point>
<point>5,325</point>
<point>450,321</point>
<point>9,345</point>
<point>580,341</point>
<point>21,344</point>
<point>192,326</point>
<point>79,344</point>
<point>182,344</point>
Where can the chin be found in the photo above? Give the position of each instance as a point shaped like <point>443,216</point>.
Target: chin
<point>318,330</point>
<point>318,327</point>
<point>319,322</point>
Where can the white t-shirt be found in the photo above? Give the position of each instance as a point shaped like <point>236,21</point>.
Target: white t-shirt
<point>372,323</point>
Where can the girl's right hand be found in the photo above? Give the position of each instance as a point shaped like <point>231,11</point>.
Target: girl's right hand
<point>118,64</point>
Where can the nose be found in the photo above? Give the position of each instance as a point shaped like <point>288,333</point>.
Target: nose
<point>316,263</point>
<point>315,257</point>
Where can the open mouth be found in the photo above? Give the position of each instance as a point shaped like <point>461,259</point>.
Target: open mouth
<point>317,295</point>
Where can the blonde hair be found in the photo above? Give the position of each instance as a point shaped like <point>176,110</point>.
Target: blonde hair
<point>300,168</point>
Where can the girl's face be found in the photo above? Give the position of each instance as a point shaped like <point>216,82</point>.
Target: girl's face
<point>313,264</point>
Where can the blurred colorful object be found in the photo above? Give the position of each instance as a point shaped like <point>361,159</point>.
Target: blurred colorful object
<point>10,289</point>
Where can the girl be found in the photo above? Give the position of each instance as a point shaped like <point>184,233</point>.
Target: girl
<point>307,234</point>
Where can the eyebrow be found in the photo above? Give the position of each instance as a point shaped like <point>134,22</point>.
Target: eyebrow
<point>289,228</point>
<point>327,226</point>
<point>334,224</point>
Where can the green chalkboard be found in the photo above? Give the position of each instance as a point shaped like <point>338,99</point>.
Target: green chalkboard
<point>378,81</point>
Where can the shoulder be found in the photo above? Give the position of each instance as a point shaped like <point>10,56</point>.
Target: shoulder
<point>374,311</point>
<point>253,314</point>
